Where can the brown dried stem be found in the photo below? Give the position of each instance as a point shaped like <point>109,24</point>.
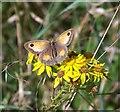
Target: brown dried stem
<point>19,42</point>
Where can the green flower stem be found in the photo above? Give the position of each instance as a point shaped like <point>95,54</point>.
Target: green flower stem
<point>52,104</point>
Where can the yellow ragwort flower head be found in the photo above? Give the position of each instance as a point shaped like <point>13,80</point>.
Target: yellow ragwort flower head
<point>38,65</point>
<point>59,78</point>
<point>97,70</point>
<point>71,67</point>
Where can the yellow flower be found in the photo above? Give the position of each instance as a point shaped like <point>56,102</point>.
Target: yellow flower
<point>41,68</point>
<point>58,79</point>
<point>79,70</point>
<point>82,76</point>
<point>97,70</point>
<point>60,76</point>
<point>85,76</point>
<point>71,67</point>
<point>76,69</point>
<point>38,65</point>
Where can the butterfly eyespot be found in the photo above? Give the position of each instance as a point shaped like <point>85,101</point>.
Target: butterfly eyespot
<point>68,34</point>
<point>31,45</point>
<point>37,54</point>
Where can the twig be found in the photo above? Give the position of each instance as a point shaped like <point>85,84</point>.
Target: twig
<point>37,18</point>
<point>8,64</point>
<point>69,102</point>
<point>37,110</point>
<point>87,101</point>
<point>118,37</point>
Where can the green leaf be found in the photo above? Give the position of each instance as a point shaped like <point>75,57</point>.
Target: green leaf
<point>73,5</point>
<point>43,31</point>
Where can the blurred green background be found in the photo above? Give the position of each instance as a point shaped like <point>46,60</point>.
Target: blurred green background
<point>24,21</point>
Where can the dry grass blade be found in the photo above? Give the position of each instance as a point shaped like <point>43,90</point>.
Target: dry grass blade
<point>69,102</point>
<point>118,37</point>
<point>106,32</point>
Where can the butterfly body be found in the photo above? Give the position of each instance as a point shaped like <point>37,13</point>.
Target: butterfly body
<point>51,52</point>
<point>53,47</point>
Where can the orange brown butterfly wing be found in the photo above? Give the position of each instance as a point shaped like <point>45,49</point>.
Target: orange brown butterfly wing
<point>66,37</point>
<point>46,57</point>
<point>36,46</point>
<point>61,52</point>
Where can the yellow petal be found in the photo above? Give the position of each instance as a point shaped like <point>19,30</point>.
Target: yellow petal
<point>70,72</point>
<point>36,66</point>
<point>71,62</point>
<point>95,79</point>
<point>57,82</point>
<point>30,58</point>
<point>75,68</point>
<point>28,61</point>
<point>55,66</point>
<point>74,75</point>
<point>66,78</point>
<point>61,67</point>
<point>91,73</point>
<point>37,63</point>
<point>77,65</point>
<point>88,75</point>
<point>48,70</point>
<point>98,79</point>
<point>54,74</point>
<point>80,57</point>
<point>102,64</point>
<point>83,78</point>
<point>66,69</point>
<point>76,78</point>
<point>41,70</point>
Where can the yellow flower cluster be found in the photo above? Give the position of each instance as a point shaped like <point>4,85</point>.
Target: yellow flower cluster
<point>76,69</point>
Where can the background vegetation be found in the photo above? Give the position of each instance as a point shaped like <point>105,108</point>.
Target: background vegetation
<point>23,21</point>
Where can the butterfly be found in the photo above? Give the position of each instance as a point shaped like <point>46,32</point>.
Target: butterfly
<point>51,52</point>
